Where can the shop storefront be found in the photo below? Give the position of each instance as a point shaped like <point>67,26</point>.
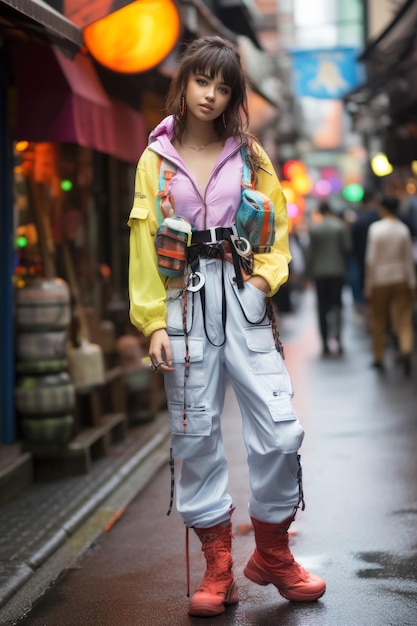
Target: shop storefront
<point>68,153</point>
<point>17,22</point>
<point>383,108</point>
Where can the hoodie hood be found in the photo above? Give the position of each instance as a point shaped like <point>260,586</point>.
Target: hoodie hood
<point>165,127</point>
<point>160,142</point>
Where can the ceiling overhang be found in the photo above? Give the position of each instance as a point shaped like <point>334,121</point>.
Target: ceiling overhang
<point>40,22</point>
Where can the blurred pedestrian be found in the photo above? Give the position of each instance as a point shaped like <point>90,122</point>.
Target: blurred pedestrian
<point>366,215</point>
<point>390,283</point>
<point>210,324</point>
<point>326,264</point>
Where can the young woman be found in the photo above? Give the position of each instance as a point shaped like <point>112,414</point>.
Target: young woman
<point>210,325</point>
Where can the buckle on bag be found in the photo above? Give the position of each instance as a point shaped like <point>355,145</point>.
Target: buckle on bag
<point>241,245</point>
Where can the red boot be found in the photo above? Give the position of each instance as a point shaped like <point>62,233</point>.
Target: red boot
<point>272,562</point>
<point>217,589</point>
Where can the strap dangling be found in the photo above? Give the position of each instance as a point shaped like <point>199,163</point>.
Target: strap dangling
<point>300,485</point>
<point>274,325</point>
<point>172,470</point>
<point>186,358</point>
<point>187,559</point>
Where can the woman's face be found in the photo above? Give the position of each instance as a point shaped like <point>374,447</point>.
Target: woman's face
<point>206,97</point>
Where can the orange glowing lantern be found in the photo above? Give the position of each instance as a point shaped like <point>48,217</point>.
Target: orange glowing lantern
<point>289,192</point>
<point>135,38</point>
<point>291,168</point>
<point>297,173</point>
<point>302,184</point>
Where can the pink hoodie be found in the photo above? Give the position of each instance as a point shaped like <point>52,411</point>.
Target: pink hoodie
<point>215,205</point>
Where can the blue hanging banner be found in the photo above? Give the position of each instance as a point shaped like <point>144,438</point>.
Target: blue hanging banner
<point>325,73</point>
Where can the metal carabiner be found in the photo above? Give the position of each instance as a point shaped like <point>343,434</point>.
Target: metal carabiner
<point>241,245</point>
<point>192,286</point>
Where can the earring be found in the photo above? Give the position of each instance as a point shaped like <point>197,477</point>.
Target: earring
<point>224,119</point>
<point>182,106</point>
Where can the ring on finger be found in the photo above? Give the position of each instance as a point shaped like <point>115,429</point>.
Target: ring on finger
<point>155,366</point>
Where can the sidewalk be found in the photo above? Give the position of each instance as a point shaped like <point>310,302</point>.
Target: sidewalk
<point>47,514</point>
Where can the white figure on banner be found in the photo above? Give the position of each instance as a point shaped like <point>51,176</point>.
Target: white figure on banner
<point>329,78</point>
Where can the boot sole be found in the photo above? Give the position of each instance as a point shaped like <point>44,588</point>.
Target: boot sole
<point>255,577</point>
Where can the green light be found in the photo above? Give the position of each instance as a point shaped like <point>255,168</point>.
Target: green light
<point>21,242</point>
<point>353,192</point>
<point>66,185</point>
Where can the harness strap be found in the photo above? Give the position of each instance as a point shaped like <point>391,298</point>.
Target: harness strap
<point>164,201</point>
<point>198,251</point>
<point>216,250</point>
<point>248,180</point>
<point>212,235</point>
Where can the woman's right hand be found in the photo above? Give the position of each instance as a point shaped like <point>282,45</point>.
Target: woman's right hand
<point>160,350</point>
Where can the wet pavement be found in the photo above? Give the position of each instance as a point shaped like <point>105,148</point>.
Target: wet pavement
<point>358,530</point>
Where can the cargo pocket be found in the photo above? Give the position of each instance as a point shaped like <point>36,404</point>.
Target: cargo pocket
<point>198,419</point>
<point>289,433</point>
<point>252,302</point>
<point>263,357</point>
<point>174,381</point>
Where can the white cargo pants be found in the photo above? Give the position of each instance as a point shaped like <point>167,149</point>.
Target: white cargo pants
<point>248,358</point>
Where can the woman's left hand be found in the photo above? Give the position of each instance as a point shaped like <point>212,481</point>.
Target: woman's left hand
<point>160,351</point>
<point>260,283</point>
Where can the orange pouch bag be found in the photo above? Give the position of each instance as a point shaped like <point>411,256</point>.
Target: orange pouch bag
<point>171,246</point>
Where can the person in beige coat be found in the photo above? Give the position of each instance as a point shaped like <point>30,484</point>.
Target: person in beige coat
<point>390,283</point>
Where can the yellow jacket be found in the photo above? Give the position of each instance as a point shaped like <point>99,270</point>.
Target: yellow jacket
<point>147,287</point>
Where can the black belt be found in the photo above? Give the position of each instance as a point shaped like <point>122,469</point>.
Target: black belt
<point>211,235</point>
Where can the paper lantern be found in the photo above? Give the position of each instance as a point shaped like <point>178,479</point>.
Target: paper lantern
<point>135,38</point>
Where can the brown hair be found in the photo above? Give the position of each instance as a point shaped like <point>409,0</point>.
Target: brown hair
<point>210,56</point>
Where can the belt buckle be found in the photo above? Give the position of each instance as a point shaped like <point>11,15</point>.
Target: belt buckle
<point>213,234</point>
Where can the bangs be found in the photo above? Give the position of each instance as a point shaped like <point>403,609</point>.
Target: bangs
<point>219,62</point>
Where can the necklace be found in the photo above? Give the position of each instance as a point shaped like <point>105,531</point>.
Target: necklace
<point>200,148</point>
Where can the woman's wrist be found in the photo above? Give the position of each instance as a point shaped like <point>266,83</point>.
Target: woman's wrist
<point>260,283</point>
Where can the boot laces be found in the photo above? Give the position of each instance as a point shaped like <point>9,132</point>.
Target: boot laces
<point>217,576</point>
<point>288,566</point>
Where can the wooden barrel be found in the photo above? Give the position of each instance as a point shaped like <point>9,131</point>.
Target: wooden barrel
<point>49,430</point>
<point>44,395</point>
<point>43,345</point>
<point>41,366</point>
<point>43,304</point>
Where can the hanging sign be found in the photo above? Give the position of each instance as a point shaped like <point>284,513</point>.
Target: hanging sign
<point>325,73</point>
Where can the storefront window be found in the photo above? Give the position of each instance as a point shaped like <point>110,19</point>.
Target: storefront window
<point>71,206</point>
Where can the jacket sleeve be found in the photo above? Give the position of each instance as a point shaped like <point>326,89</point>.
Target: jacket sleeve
<point>273,265</point>
<point>147,291</point>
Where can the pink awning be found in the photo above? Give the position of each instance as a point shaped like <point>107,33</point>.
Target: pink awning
<point>62,100</point>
